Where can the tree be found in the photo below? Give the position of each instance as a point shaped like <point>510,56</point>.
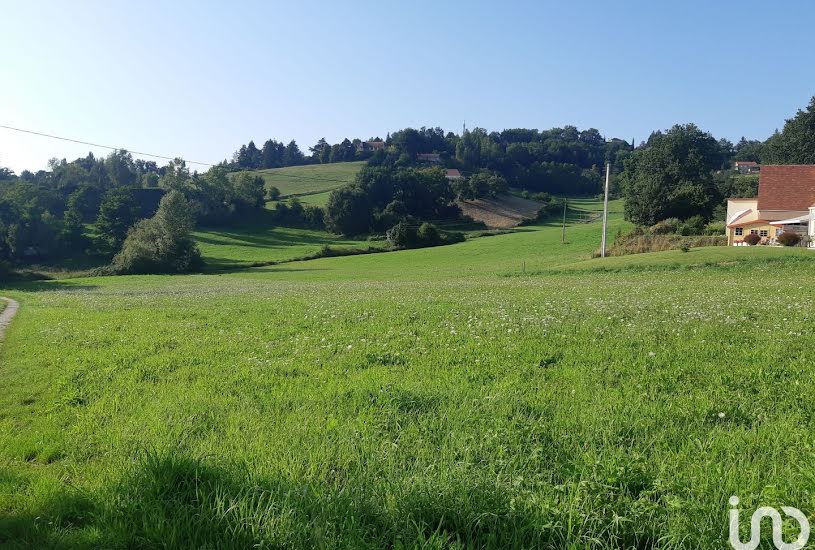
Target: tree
<point>480,185</point>
<point>292,156</point>
<point>253,157</point>
<point>6,174</point>
<point>335,153</point>
<point>408,141</point>
<point>117,213</point>
<point>273,193</point>
<point>348,211</point>
<point>163,243</point>
<point>672,177</point>
<point>271,154</point>
<point>795,144</point>
<point>176,175</point>
<point>120,168</point>
<point>250,191</point>
<point>321,152</point>
<point>748,150</point>
<point>72,233</point>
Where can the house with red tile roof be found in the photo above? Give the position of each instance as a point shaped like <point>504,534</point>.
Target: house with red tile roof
<point>452,174</point>
<point>785,202</point>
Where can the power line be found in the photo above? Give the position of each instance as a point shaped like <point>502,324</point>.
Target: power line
<point>293,176</point>
<point>100,145</point>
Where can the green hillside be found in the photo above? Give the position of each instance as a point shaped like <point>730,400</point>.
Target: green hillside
<point>507,391</point>
<point>254,243</point>
<point>311,178</point>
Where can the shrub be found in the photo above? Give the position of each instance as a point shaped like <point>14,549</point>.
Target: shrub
<point>752,239</point>
<point>665,227</point>
<point>638,244</point>
<point>694,225</point>
<point>428,233</point>
<point>297,214</point>
<point>406,235</point>
<point>273,193</point>
<point>789,238</point>
<point>715,228</point>
<point>163,243</point>
<point>403,235</point>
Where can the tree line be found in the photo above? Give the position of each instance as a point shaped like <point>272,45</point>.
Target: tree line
<point>684,172</point>
<point>276,154</point>
<point>560,160</point>
<point>86,207</point>
<point>90,205</point>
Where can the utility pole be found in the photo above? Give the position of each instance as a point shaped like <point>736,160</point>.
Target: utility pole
<point>563,231</point>
<point>605,212</point>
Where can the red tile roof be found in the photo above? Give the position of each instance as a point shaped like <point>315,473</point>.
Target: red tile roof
<point>746,163</point>
<point>786,187</point>
<point>453,173</point>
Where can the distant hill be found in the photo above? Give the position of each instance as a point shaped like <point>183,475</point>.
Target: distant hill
<point>310,179</point>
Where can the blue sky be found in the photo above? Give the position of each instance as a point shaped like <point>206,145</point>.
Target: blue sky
<point>198,79</point>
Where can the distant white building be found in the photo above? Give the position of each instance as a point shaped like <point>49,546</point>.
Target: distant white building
<point>428,157</point>
<point>746,167</point>
<point>371,146</point>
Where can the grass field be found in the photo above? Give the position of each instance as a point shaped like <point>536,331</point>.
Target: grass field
<point>259,242</point>
<point>503,392</point>
<point>311,179</point>
<point>317,199</point>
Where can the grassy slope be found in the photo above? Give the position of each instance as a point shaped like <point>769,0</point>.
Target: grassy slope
<point>316,199</point>
<point>412,397</point>
<point>264,242</point>
<point>312,178</point>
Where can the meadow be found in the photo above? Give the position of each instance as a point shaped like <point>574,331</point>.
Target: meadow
<point>310,179</point>
<point>260,241</point>
<point>507,391</point>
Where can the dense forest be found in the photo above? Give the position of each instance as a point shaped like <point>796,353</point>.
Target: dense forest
<point>89,206</point>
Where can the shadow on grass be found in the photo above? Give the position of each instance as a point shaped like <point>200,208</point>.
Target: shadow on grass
<point>59,285</point>
<point>170,500</point>
<point>265,237</point>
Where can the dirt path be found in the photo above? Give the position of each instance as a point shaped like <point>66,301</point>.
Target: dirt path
<point>7,314</point>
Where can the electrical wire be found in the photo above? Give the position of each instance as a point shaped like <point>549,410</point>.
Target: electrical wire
<point>141,153</point>
<point>163,157</point>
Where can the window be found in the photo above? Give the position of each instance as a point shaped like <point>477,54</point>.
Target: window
<point>754,232</point>
<point>764,233</point>
<point>739,231</point>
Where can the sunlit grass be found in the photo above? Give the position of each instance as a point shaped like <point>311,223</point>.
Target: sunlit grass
<point>263,242</point>
<point>311,178</point>
<point>479,394</point>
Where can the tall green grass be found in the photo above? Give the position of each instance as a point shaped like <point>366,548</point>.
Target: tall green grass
<point>413,398</point>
